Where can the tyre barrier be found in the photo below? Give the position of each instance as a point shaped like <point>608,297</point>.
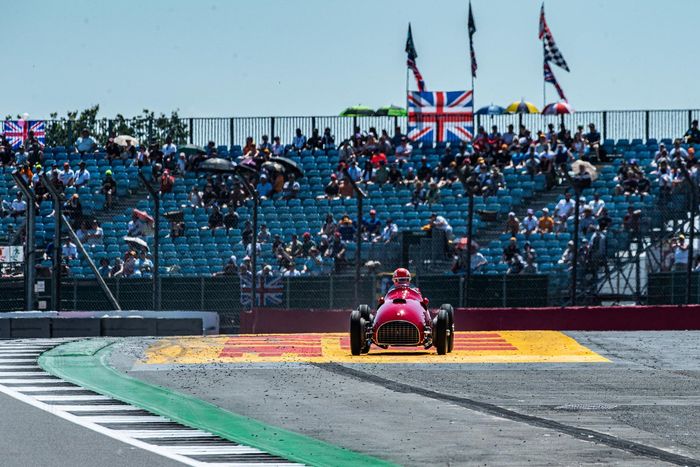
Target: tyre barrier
<point>16,328</point>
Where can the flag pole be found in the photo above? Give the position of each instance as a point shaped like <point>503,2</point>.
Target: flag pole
<point>406,93</point>
<point>544,82</point>
<point>471,64</point>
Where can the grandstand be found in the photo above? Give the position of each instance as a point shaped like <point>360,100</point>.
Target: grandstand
<point>201,252</point>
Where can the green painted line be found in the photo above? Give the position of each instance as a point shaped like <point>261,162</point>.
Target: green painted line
<point>85,363</point>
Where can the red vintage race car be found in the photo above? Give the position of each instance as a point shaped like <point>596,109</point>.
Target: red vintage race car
<point>402,319</point>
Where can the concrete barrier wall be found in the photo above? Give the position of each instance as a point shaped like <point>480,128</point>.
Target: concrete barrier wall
<point>46,327</point>
<point>633,318</point>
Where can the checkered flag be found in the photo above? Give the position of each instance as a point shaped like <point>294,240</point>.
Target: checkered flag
<point>551,51</point>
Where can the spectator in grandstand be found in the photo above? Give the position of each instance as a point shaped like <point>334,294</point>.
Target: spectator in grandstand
<point>410,176</point>
<point>354,171</point>
<point>432,196</point>
<point>587,222</point>
<point>177,229</point>
<point>145,263</point>
<point>210,149</point>
<point>109,189</point>
<point>529,223</point>
<point>332,189</point>
<point>327,140</point>
<point>597,251</point>
<point>21,156</point>
<point>73,209</point>
<point>367,172</point>
<point>265,145</point>
<point>604,220</point>
<point>381,174</point>
<point>307,244</point>
<point>680,253</point>
<point>346,228</point>
<point>346,152</point>
<point>216,219</point>
<point>371,226</point>
<point>528,252</point>
<point>67,176</point>
<point>515,265</point>
<point>104,268</point>
<point>631,221</point>
<point>249,149</point>
<point>247,233</point>
<point>81,233</point>
<point>692,136</point>
<point>678,150</point>
<point>530,267</point>
<point>290,189</point>
<point>545,224</point>
<point>424,171</point>
<point>403,151</point>
<point>394,176</point>
<point>345,189</point>
<point>512,226</point>
<point>299,140</point>
<point>94,234</point>
<point>592,138</point>
<point>168,149</point>
<point>510,250</point>
<point>136,227</point>
<point>230,267</point>
<point>314,264</point>
<point>85,143</point>
<point>596,204</point>
<point>167,182</point>
<point>390,232</point>
<point>440,224</point>
<point>264,235</point>
<point>277,148</point>
<point>562,211</point>
<point>418,196</point>
<point>264,187</point>
<point>18,207</point>
<point>314,141</point>
<point>82,176</point>
<point>69,250</point>
<point>336,250</point>
<point>329,226</point>
<point>209,196</point>
<point>289,270</point>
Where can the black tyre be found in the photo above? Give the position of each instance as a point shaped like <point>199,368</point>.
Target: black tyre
<point>365,311</point>
<point>357,334</point>
<point>440,332</point>
<point>451,326</point>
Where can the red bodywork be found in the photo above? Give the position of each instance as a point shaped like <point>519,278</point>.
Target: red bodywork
<point>404,304</point>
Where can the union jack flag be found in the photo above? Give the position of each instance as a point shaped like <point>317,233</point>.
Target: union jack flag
<point>440,116</point>
<point>269,291</point>
<point>550,78</point>
<point>17,131</point>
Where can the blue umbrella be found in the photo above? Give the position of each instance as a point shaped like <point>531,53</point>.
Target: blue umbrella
<point>491,110</point>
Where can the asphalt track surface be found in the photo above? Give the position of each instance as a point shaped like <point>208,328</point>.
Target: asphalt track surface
<point>30,437</point>
<point>641,408</point>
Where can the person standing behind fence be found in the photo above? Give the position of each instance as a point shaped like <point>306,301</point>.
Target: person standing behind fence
<point>680,253</point>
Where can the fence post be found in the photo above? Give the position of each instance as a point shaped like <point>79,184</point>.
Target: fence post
<point>605,125</point>
<point>191,132</point>
<point>690,118</point>
<point>272,128</point>
<point>646,125</point>
<point>504,293</point>
<point>354,124</point>
<point>201,293</point>
<point>331,294</point>
<point>230,132</point>
<point>313,123</point>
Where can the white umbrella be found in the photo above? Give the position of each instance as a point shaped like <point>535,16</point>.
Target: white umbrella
<point>121,140</point>
<point>590,168</point>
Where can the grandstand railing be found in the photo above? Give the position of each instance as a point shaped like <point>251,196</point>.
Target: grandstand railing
<point>231,131</point>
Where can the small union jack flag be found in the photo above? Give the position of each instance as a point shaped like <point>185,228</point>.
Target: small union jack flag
<point>269,291</point>
<point>17,131</point>
<point>440,116</point>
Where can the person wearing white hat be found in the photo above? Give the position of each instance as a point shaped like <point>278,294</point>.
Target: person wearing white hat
<point>529,223</point>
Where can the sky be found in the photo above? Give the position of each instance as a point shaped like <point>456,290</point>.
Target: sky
<point>228,58</point>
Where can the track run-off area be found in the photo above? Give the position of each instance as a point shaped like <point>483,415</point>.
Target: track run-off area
<point>501,398</point>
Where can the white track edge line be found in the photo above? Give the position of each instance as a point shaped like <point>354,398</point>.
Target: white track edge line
<point>99,429</point>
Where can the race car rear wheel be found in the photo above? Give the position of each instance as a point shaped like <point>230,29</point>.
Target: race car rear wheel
<point>365,311</point>
<point>440,332</point>
<point>451,326</point>
<point>357,332</point>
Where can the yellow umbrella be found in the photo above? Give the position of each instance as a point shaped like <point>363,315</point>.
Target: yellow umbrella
<point>522,107</point>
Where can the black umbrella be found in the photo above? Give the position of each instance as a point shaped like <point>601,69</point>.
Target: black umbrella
<point>175,216</point>
<point>273,166</point>
<point>191,149</point>
<point>217,165</point>
<point>289,165</point>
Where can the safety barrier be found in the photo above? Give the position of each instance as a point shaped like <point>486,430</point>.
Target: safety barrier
<point>632,318</point>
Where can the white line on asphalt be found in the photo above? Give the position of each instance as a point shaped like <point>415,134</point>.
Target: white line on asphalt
<point>99,429</point>
<point>148,434</point>
<point>19,367</point>
<point>28,381</point>
<point>212,450</point>
<point>17,360</point>
<point>90,408</point>
<point>71,398</point>
<point>126,419</point>
<point>12,374</point>
<point>47,388</point>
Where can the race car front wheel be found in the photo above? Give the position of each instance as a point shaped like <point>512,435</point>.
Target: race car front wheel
<point>365,311</point>
<point>451,325</point>
<point>357,332</point>
<point>440,332</point>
